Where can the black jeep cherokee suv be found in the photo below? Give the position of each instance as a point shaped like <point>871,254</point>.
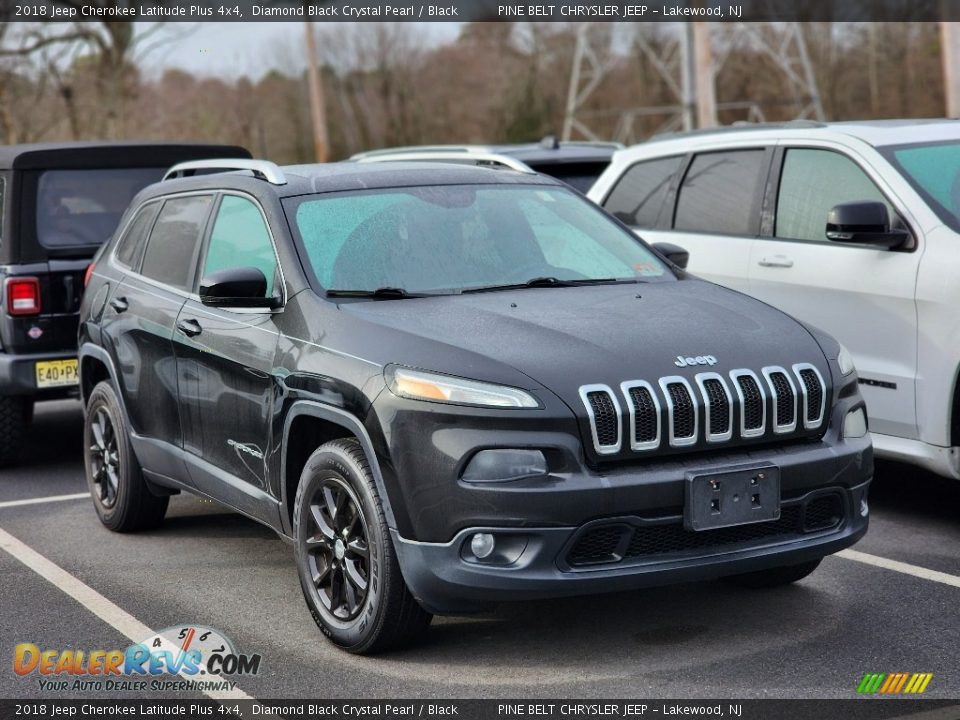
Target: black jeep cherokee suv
<point>59,202</point>
<point>450,386</point>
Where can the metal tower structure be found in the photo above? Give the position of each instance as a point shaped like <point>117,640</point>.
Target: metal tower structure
<point>686,59</point>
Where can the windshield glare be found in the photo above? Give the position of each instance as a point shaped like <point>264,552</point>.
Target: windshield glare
<point>458,237</point>
<point>933,169</point>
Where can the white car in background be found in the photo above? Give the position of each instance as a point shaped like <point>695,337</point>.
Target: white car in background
<point>852,227</point>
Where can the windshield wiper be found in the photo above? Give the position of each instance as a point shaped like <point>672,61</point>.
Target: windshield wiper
<point>550,281</point>
<point>381,293</point>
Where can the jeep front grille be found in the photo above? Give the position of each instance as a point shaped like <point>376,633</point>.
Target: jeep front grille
<point>673,412</point>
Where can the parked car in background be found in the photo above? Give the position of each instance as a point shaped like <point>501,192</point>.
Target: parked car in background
<point>577,163</point>
<point>449,386</point>
<point>853,227</point>
<point>58,203</point>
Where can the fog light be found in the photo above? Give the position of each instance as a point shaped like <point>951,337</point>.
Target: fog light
<point>503,465</point>
<point>482,545</point>
<point>864,508</point>
<point>855,424</point>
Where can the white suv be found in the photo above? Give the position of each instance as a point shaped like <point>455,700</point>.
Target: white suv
<point>853,227</point>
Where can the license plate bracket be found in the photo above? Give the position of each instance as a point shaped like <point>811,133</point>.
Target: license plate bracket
<point>733,496</point>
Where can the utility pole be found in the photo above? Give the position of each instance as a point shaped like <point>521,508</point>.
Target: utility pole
<point>703,76</point>
<point>950,44</point>
<point>318,113</point>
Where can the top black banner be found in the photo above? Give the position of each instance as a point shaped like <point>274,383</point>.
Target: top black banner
<point>480,10</point>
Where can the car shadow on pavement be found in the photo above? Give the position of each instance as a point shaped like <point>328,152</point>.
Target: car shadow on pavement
<point>55,437</point>
<point>907,490</point>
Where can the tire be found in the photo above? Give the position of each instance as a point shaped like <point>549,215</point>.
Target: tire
<point>348,569</point>
<point>774,577</point>
<point>16,414</point>
<point>121,497</point>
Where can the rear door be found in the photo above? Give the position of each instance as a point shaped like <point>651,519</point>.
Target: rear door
<point>862,295</point>
<point>709,203</point>
<point>139,323</point>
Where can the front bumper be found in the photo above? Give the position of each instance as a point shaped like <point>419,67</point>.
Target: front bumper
<point>446,578</point>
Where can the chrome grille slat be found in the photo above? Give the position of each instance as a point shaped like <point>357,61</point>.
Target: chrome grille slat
<point>682,411</point>
<point>589,394</point>
<point>643,406</point>
<point>814,392</point>
<point>783,394</point>
<point>717,407</point>
<point>753,402</point>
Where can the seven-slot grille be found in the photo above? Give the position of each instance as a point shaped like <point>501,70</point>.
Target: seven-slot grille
<point>673,412</point>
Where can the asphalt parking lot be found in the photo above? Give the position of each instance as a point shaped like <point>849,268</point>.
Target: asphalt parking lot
<point>208,566</point>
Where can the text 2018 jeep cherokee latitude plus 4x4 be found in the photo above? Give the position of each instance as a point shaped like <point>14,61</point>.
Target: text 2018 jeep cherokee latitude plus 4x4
<point>450,386</point>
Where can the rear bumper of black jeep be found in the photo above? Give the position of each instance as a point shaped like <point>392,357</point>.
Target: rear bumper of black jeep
<point>18,376</point>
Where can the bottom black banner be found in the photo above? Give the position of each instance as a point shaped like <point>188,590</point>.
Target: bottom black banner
<point>853,709</point>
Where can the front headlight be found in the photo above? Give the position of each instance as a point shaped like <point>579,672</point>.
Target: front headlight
<point>419,385</point>
<point>845,361</point>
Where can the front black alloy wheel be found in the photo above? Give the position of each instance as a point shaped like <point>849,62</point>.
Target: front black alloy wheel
<point>348,569</point>
<point>121,497</point>
<point>337,552</point>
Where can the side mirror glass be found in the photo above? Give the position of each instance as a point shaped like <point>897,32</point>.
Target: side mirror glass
<point>674,253</point>
<point>865,223</point>
<point>236,287</point>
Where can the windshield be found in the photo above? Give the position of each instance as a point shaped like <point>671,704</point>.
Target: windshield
<point>459,237</point>
<point>81,208</point>
<point>579,176</point>
<point>933,169</point>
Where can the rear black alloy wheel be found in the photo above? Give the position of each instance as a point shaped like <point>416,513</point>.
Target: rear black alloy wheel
<point>104,458</point>
<point>338,553</point>
<point>121,496</point>
<point>348,568</point>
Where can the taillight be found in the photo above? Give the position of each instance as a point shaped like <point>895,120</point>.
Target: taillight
<point>23,296</point>
<point>88,273</point>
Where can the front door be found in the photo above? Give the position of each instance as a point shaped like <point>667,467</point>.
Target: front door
<point>862,295</point>
<point>225,361</point>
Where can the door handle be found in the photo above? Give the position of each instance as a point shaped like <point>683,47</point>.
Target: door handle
<point>190,327</point>
<point>781,261</point>
<point>119,304</point>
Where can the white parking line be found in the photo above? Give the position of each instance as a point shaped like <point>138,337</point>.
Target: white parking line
<point>47,499</point>
<point>901,567</point>
<point>116,617</point>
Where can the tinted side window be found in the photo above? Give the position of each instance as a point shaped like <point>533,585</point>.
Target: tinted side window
<point>721,193</point>
<point>812,182</point>
<point>171,250</point>
<point>130,248</point>
<point>240,239</point>
<point>638,195</point>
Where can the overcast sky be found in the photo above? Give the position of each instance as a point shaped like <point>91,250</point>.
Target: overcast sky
<point>231,50</point>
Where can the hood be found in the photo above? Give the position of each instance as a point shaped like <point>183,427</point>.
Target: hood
<point>563,338</point>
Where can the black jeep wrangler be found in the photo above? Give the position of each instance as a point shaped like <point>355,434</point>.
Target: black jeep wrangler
<point>450,386</point>
<point>58,203</point>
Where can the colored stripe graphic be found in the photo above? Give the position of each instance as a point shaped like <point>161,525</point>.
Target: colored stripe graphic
<point>894,683</point>
<point>871,682</point>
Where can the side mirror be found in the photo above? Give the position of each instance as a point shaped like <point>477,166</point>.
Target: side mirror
<point>865,223</point>
<point>236,287</point>
<point>674,253</point>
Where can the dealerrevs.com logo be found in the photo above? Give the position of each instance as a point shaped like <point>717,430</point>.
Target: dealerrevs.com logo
<point>203,658</point>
